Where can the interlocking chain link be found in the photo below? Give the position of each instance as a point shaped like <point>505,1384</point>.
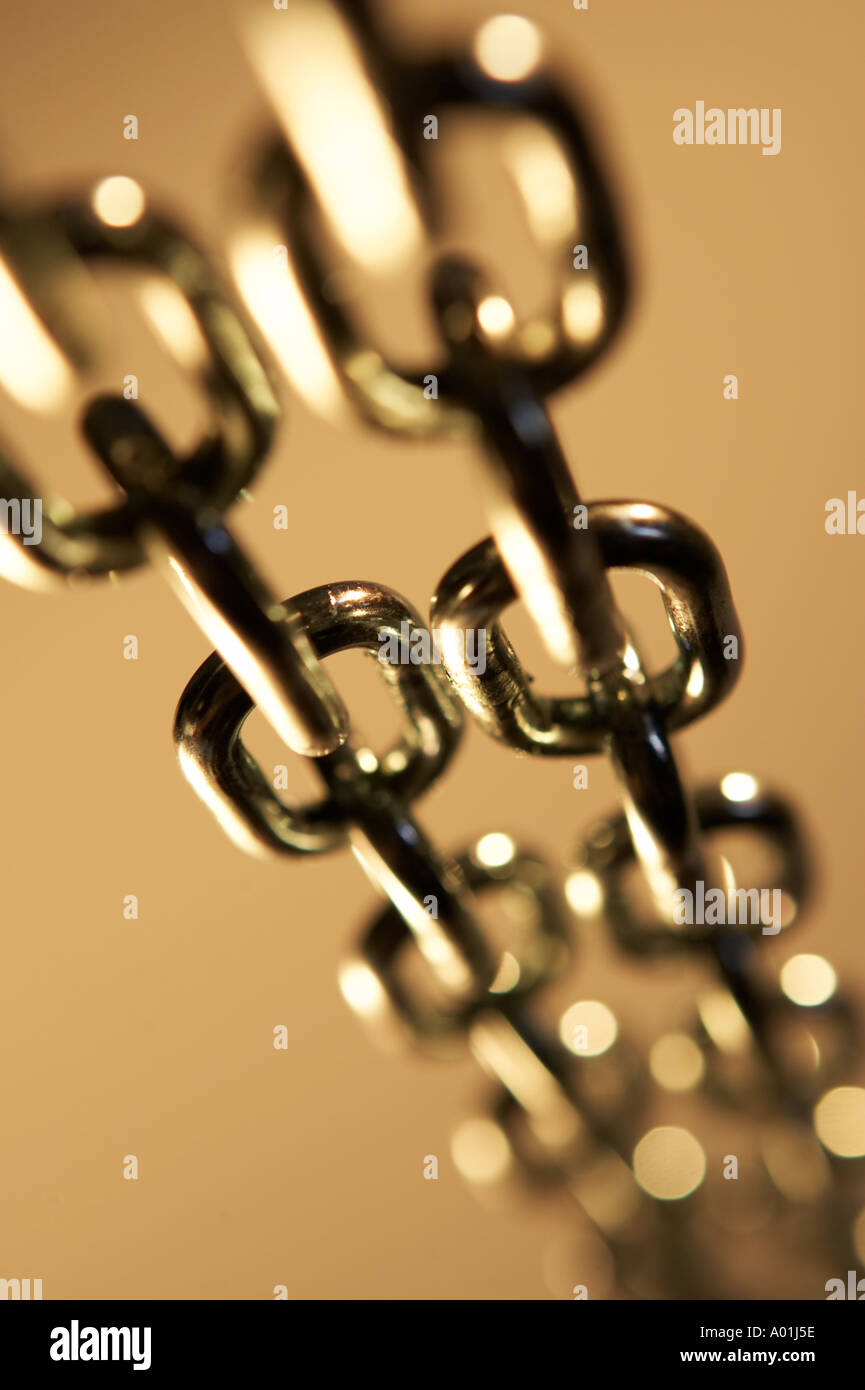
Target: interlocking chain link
<point>561,1120</point>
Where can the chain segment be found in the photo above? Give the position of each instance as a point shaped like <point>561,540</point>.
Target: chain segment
<point>561,1121</point>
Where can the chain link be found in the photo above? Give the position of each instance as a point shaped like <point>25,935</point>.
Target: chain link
<point>557,1118</point>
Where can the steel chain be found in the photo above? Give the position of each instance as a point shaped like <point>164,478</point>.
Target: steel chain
<point>560,1120</point>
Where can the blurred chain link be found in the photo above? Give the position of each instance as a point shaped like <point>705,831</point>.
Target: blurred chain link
<point>561,1118</point>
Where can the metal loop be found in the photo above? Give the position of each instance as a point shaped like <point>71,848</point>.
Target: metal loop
<point>598,1177</point>
<point>591,300</point>
<point>660,812</point>
<point>530,959</point>
<point>426,890</point>
<point>243,407</point>
<point>609,851</point>
<point>391,848</point>
<point>214,706</point>
<point>264,642</point>
<point>558,1122</point>
<point>801,1051</point>
<point>531,497</point>
<point>660,543</point>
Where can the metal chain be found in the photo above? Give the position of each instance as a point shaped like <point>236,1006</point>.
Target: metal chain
<point>562,1117</point>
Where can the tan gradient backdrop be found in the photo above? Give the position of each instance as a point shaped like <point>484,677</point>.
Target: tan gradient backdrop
<point>154,1037</point>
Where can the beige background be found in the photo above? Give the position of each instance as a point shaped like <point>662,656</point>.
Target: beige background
<point>154,1037</point>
